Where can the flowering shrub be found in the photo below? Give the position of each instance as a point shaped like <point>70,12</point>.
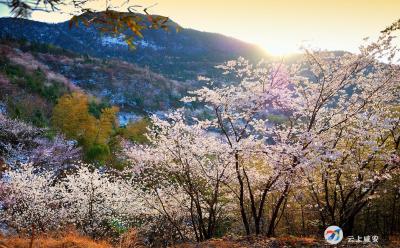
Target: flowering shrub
<point>23,143</point>
<point>30,201</point>
<point>93,200</point>
<point>88,199</point>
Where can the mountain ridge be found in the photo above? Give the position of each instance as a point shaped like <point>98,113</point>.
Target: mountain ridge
<point>177,55</point>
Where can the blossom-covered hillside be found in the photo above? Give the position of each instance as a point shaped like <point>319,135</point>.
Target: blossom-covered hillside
<point>98,152</point>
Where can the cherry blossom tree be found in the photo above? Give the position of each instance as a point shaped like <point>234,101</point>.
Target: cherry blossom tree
<point>257,147</point>
<point>186,170</point>
<point>93,200</point>
<point>349,127</point>
<point>57,155</point>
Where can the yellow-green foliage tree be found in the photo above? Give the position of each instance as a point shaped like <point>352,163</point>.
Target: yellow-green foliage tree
<point>136,131</point>
<point>71,116</point>
<point>106,124</point>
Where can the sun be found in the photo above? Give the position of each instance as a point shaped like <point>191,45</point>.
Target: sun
<point>279,49</point>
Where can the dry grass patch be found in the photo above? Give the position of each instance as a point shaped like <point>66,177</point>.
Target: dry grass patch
<point>69,240</point>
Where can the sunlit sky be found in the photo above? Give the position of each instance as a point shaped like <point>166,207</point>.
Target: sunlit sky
<point>279,26</point>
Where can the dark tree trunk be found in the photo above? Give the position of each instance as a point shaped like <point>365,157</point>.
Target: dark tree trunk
<point>275,212</point>
<point>241,196</point>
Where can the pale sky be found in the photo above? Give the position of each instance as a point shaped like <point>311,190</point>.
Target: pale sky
<point>279,26</point>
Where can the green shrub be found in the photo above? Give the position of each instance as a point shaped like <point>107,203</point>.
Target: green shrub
<point>95,108</point>
<point>34,82</point>
<point>98,153</point>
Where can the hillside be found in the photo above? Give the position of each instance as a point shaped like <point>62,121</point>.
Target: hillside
<point>177,55</point>
<point>29,88</point>
<point>131,88</point>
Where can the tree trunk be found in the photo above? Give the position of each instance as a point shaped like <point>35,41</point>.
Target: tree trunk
<point>275,212</point>
<point>32,236</point>
<point>241,195</point>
